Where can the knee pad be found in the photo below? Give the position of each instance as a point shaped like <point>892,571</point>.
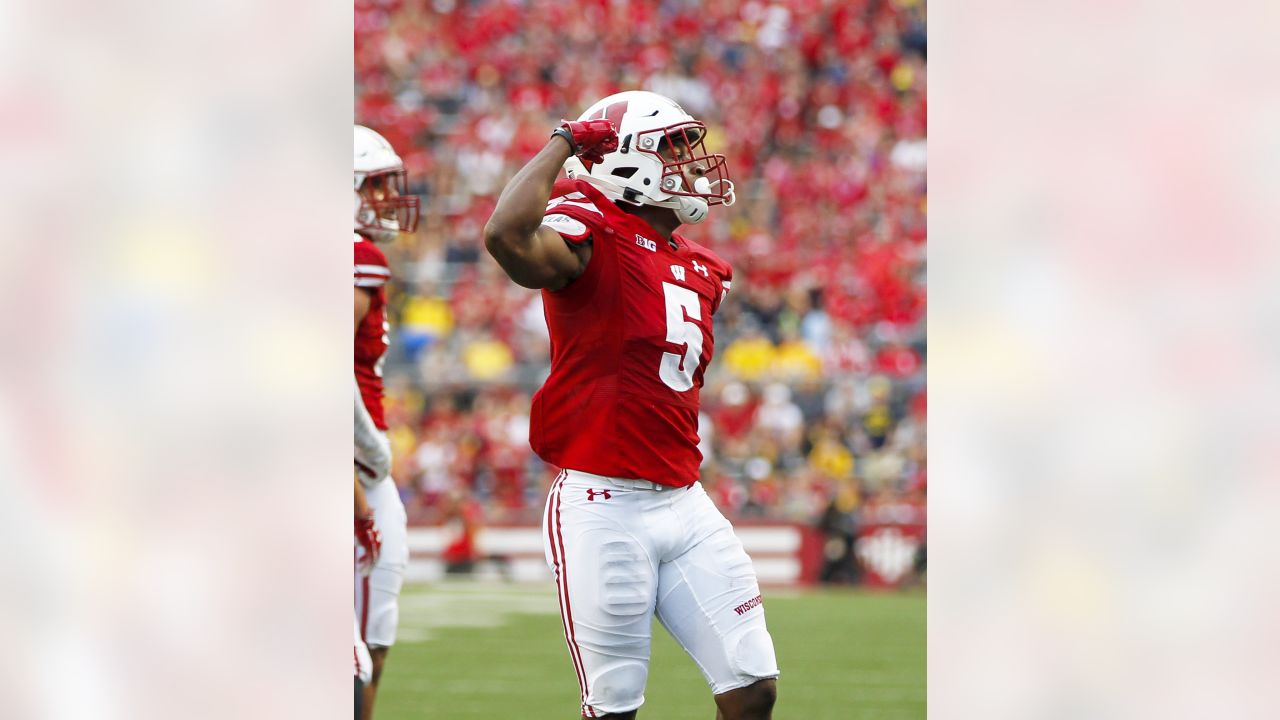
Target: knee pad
<point>620,687</point>
<point>753,656</point>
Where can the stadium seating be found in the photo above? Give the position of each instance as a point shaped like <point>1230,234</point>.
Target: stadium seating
<point>817,392</point>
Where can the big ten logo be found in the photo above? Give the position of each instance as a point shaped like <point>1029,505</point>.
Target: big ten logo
<point>646,243</point>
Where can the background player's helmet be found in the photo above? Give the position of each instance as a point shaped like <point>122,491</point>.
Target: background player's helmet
<point>377,162</point>
<point>636,173</point>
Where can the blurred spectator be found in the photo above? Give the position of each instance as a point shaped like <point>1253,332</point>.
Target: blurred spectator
<point>839,528</point>
<point>435,456</point>
<point>829,455</point>
<point>780,418</point>
<point>750,357</point>
<point>462,520</point>
<point>733,415</point>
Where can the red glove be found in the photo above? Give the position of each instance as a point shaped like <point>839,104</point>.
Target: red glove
<point>590,140</point>
<point>370,539</point>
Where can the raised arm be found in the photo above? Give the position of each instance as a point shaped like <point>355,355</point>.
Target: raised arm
<point>532,255</point>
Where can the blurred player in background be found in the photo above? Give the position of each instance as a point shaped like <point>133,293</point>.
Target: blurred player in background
<point>629,531</point>
<point>383,209</point>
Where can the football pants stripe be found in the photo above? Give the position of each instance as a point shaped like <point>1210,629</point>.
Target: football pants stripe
<point>562,585</point>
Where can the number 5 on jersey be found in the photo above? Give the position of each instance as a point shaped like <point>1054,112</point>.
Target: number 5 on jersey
<point>680,302</point>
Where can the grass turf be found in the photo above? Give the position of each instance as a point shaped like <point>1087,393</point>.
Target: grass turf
<point>484,651</point>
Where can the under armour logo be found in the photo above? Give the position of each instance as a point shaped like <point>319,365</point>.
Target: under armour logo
<point>700,268</point>
<point>591,494</point>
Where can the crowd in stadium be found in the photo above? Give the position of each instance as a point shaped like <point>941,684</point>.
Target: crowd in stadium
<point>815,401</point>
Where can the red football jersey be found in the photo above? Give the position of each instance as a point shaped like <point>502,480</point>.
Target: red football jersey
<point>372,336</point>
<point>630,340</point>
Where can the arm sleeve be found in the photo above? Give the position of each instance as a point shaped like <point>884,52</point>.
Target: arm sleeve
<point>373,450</point>
<point>371,265</point>
<point>726,282</point>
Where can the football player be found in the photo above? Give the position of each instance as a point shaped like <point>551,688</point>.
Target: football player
<point>629,532</point>
<point>383,210</point>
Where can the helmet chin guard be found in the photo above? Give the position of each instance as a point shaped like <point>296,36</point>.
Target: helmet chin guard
<point>638,173</point>
<point>692,210</point>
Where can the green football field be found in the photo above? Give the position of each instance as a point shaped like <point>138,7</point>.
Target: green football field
<point>470,650</point>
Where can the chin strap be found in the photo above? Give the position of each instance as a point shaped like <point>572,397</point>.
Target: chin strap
<point>689,210</point>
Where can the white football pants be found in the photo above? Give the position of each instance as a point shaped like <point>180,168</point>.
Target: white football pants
<point>377,595</point>
<point>625,550</point>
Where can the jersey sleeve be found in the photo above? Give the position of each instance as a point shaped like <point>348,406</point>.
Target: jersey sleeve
<point>371,265</point>
<point>572,211</point>
<point>726,282</point>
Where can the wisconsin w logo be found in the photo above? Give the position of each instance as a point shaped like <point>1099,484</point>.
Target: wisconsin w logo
<point>613,113</point>
<point>591,494</point>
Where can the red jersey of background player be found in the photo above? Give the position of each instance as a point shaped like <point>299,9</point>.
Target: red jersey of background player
<point>372,337</point>
<point>630,339</point>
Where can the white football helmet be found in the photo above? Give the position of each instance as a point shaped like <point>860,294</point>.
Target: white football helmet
<point>636,173</point>
<point>383,207</point>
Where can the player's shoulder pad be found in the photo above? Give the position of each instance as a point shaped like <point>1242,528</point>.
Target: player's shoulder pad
<point>371,264</point>
<point>576,210</point>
